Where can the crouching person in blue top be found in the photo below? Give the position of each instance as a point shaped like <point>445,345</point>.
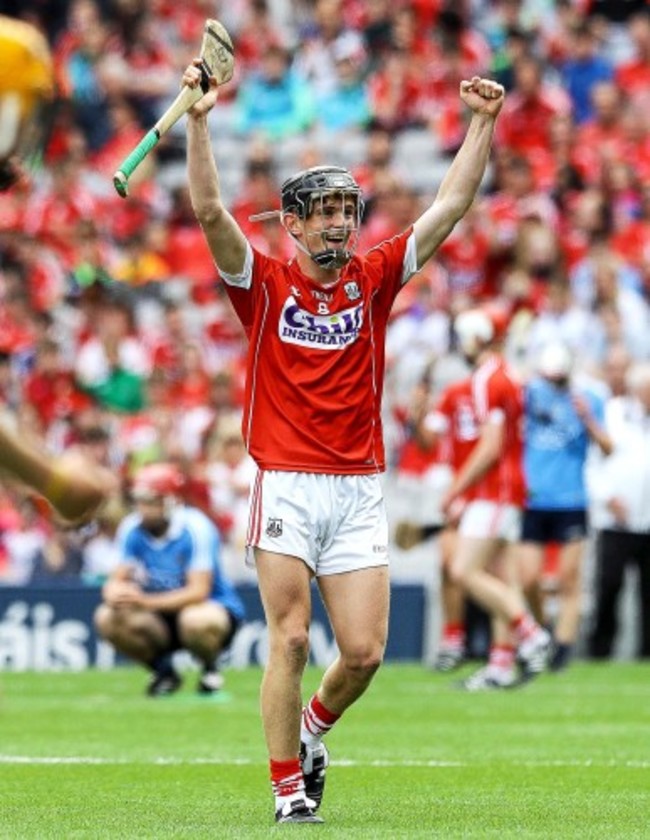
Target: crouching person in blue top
<point>168,592</point>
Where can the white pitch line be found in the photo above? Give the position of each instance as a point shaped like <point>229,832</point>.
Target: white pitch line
<point>244,762</point>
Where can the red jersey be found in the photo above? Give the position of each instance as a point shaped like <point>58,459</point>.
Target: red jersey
<point>315,366</point>
<point>454,414</point>
<point>497,396</point>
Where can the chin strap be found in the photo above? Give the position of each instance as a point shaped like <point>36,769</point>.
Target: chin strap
<point>331,258</point>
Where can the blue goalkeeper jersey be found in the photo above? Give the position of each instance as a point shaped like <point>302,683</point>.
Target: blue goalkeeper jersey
<point>556,443</point>
<point>192,543</point>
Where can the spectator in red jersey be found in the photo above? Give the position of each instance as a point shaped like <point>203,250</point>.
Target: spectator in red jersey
<point>312,422</point>
<point>464,254</point>
<point>514,199</point>
<point>126,133</point>
<point>256,34</point>
<point>186,253</point>
<point>54,214</point>
<point>633,242</point>
<point>492,479</point>
<point>586,220</point>
<point>50,386</point>
<point>395,92</point>
<point>602,136</point>
<point>633,76</point>
<point>532,105</point>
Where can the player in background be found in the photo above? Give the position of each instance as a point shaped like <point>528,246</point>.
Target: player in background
<point>316,328</point>
<point>491,521</point>
<point>451,423</point>
<point>561,421</point>
<point>26,94</point>
<point>168,592</point>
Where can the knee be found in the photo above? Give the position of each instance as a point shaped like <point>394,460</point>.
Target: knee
<point>190,626</point>
<point>104,621</point>
<point>363,662</point>
<point>458,574</point>
<point>293,647</point>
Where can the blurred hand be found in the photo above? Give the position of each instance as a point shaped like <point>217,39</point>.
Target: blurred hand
<point>122,593</point>
<point>451,506</point>
<point>618,510</point>
<point>582,407</point>
<point>78,486</point>
<point>483,96</point>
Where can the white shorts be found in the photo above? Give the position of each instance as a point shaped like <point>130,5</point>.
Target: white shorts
<point>484,520</point>
<point>335,523</point>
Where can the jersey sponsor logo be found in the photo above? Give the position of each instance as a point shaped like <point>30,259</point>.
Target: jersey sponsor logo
<point>325,331</point>
<point>273,527</point>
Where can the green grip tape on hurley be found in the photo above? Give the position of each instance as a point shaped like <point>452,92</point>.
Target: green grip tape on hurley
<point>132,161</point>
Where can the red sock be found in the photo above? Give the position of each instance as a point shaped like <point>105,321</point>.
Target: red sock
<point>316,720</point>
<point>502,657</point>
<point>453,635</point>
<point>523,626</point>
<point>286,777</point>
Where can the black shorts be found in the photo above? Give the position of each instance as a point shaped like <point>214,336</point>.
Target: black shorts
<point>170,620</point>
<point>554,526</point>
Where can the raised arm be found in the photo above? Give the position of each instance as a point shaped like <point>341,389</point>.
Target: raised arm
<point>461,183</point>
<point>223,234</point>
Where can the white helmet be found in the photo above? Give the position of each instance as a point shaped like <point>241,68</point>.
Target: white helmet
<point>474,329</point>
<point>555,361</point>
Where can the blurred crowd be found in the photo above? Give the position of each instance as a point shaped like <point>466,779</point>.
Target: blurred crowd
<point>114,333</point>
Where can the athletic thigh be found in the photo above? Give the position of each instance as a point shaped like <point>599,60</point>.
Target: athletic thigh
<point>208,615</point>
<point>124,623</point>
<point>474,553</point>
<point>285,589</point>
<point>357,604</point>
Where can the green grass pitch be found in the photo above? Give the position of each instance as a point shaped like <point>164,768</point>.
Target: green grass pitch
<point>86,755</point>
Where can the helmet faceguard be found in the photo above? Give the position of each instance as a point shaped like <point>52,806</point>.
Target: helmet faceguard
<point>314,190</point>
